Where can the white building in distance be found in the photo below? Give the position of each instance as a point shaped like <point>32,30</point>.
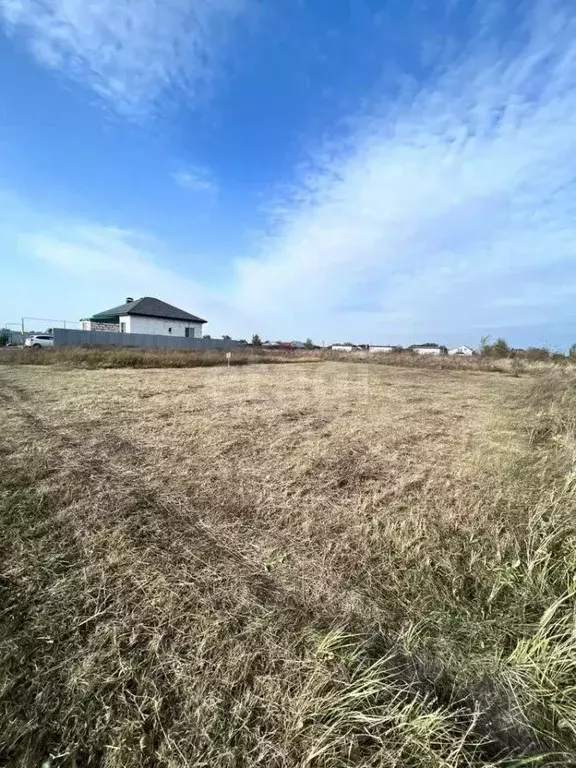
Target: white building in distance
<point>461,350</point>
<point>146,315</point>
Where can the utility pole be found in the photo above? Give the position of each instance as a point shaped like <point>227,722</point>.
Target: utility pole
<point>23,329</point>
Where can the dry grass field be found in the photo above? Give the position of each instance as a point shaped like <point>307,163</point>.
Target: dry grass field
<point>127,357</point>
<point>137,357</point>
<point>323,564</point>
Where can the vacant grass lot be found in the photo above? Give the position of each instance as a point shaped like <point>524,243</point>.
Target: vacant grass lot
<point>128,357</point>
<point>320,565</point>
<point>119,357</point>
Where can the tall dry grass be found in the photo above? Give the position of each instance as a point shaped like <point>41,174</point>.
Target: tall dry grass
<point>122,357</point>
<point>406,359</point>
<point>125,357</point>
<point>358,567</point>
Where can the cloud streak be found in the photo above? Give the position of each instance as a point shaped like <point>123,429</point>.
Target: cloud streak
<point>196,179</point>
<point>130,52</point>
<point>439,202</point>
<point>435,214</point>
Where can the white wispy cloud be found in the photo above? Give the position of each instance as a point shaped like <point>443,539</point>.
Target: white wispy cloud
<point>196,178</point>
<point>129,51</point>
<point>105,264</point>
<point>439,203</point>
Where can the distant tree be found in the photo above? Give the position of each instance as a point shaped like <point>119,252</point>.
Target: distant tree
<point>206,336</point>
<point>309,344</point>
<point>499,349</point>
<point>485,345</point>
<point>226,337</point>
<point>4,336</point>
<point>572,352</point>
<point>256,340</point>
<point>242,342</point>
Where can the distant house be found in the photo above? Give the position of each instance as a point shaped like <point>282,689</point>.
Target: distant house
<point>15,337</point>
<point>381,348</point>
<point>461,350</point>
<point>146,315</point>
<point>343,347</point>
<point>428,349</point>
<point>267,344</point>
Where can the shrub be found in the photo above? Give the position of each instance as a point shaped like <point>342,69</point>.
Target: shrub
<point>536,354</point>
<point>499,349</point>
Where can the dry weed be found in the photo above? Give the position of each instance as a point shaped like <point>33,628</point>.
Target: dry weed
<point>125,357</point>
<point>323,565</point>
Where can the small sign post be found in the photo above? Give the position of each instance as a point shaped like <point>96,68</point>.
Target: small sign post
<point>228,357</point>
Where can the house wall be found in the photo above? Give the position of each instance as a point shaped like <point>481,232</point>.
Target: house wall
<point>157,326</point>
<point>381,349</point>
<point>90,325</point>
<point>341,348</point>
<point>72,337</point>
<point>461,351</point>
<point>428,351</point>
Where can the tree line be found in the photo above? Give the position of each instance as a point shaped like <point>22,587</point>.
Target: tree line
<point>500,349</point>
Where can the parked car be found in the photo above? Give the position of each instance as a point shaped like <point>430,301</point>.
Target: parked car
<point>39,340</point>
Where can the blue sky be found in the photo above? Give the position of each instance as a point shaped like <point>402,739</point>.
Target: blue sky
<point>395,171</point>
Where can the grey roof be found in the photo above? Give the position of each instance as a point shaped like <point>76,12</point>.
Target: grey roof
<point>149,307</point>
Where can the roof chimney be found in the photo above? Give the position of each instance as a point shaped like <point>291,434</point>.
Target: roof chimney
<point>129,299</point>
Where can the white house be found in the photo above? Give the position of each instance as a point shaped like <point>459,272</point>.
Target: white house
<point>380,348</point>
<point>426,349</point>
<point>146,315</point>
<point>461,350</point>
<point>343,347</point>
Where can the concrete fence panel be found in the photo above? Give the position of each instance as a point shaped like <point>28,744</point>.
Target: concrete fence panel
<point>69,337</point>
